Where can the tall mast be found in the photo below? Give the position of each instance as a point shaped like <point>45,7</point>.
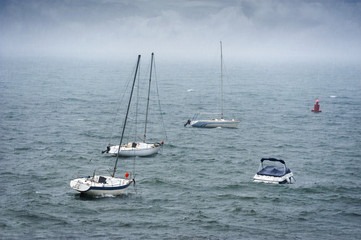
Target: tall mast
<point>221,81</point>
<point>126,116</point>
<point>150,80</point>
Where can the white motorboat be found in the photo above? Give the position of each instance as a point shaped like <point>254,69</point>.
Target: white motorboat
<point>274,174</point>
<point>102,184</point>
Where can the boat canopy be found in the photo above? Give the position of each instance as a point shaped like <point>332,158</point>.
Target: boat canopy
<point>274,171</point>
<point>273,159</point>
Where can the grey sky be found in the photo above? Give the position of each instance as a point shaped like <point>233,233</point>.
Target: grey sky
<point>181,28</point>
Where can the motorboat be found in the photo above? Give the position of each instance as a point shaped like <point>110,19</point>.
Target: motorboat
<point>277,174</point>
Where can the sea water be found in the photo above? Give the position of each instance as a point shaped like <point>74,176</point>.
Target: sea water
<point>57,115</point>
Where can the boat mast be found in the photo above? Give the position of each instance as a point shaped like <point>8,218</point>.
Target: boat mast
<point>146,114</point>
<point>221,81</point>
<point>126,116</point>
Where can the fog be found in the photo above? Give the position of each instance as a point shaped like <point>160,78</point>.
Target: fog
<point>182,29</point>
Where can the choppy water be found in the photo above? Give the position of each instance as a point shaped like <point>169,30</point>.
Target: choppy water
<point>54,118</point>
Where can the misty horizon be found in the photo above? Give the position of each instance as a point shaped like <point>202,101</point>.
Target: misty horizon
<point>181,29</point>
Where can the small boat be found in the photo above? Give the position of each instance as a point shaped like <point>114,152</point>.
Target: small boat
<point>274,174</point>
<point>220,121</point>
<point>132,149</point>
<point>102,184</point>
<point>141,148</point>
<point>212,123</point>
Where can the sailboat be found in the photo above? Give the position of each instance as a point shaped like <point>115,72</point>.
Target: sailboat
<point>220,121</point>
<point>102,184</point>
<point>141,149</point>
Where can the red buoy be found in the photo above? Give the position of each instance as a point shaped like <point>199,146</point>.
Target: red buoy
<point>126,175</point>
<point>316,107</point>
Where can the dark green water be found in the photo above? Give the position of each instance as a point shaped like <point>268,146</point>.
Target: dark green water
<point>56,115</point>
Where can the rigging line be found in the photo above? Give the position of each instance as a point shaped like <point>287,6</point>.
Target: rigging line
<point>134,167</point>
<point>126,116</point>
<point>147,109</point>
<point>119,106</point>
<point>136,107</point>
<point>136,120</point>
<point>160,109</point>
<point>225,78</point>
<point>221,81</point>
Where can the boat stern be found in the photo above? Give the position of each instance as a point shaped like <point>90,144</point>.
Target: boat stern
<point>81,184</point>
<point>286,179</point>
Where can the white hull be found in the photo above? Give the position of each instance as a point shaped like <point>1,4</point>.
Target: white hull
<point>288,178</point>
<point>214,123</point>
<point>138,149</point>
<point>101,185</point>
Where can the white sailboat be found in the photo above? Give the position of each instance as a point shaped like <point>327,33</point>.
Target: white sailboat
<point>220,121</point>
<point>102,184</point>
<point>141,149</point>
<point>132,149</point>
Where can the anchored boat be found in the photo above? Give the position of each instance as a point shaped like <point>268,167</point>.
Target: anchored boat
<point>198,121</point>
<point>277,174</point>
<point>220,121</point>
<point>132,149</point>
<point>102,184</point>
<point>142,148</point>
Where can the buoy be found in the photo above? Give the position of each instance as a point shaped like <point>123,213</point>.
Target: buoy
<point>316,107</point>
<point>126,175</point>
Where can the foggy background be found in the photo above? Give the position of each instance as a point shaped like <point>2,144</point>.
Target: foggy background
<point>181,29</point>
